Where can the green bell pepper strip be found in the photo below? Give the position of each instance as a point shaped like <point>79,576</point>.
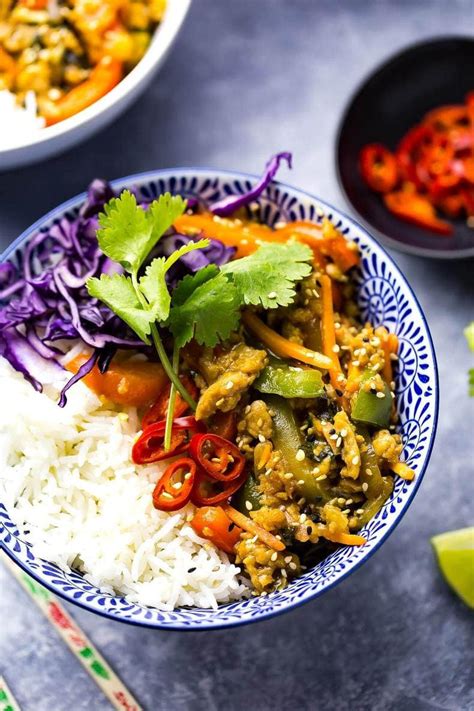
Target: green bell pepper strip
<point>287,439</point>
<point>249,492</point>
<point>288,381</point>
<point>379,487</point>
<point>369,409</point>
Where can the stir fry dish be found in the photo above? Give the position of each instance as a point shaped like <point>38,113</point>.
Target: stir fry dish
<point>431,171</point>
<point>70,53</point>
<point>265,403</point>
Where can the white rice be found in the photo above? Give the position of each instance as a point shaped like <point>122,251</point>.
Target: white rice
<point>18,123</point>
<point>67,479</point>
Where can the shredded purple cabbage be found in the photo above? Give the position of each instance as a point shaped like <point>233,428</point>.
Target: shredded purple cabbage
<point>231,203</point>
<point>46,300</point>
<point>216,253</point>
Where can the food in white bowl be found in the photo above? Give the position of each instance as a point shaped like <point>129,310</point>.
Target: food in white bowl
<point>69,67</point>
<point>235,421</point>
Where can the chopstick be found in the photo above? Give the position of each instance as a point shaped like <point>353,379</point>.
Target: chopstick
<point>7,700</point>
<point>77,641</point>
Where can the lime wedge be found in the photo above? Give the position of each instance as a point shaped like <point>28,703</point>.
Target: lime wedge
<point>455,553</point>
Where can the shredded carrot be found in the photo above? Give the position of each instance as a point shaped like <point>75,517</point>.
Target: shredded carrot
<point>389,346</point>
<point>282,346</point>
<point>329,334</point>
<point>211,522</point>
<point>403,471</point>
<point>323,239</point>
<point>250,526</point>
<point>347,539</point>
<point>245,236</point>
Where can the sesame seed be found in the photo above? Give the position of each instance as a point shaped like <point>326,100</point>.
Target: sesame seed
<point>336,348</point>
<point>247,409</point>
<point>360,511</point>
<point>315,293</point>
<point>188,475</point>
<point>341,501</point>
<point>343,433</point>
<point>300,455</point>
<point>231,527</point>
<point>178,485</point>
<point>219,402</point>
<point>362,351</point>
<point>274,556</point>
<point>316,470</point>
<point>380,395</point>
<point>301,502</point>
<point>355,460</point>
<point>283,573</point>
<point>248,505</point>
<point>191,570</point>
<point>334,437</point>
<point>365,486</point>
<point>272,295</point>
<point>393,356</point>
<point>288,559</point>
<point>259,422</point>
<point>229,385</point>
<point>340,378</point>
<point>337,325</point>
<point>349,502</point>
<point>165,495</point>
<point>261,438</point>
<point>302,518</point>
<point>292,566</point>
<point>288,475</point>
<point>300,482</point>
<point>346,511</point>
<point>355,363</point>
<point>323,476</point>
<point>309,530</point>
<point>368,471</point>
<point>338,442</point>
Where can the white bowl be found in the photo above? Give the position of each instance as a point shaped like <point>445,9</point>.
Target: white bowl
<point>52,140</point>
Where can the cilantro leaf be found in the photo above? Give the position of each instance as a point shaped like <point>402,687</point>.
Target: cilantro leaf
<point>118,294</point>
<point>471,381</point>
<point>127,232</point>
<point>186,286</point>
<point>267,277</point>
<point>207,311</point>
<point>469,334</point>
<point>185,249</point>
<point>153,286</point>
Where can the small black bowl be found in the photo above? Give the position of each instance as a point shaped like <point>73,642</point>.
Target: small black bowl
<point>394,98</point>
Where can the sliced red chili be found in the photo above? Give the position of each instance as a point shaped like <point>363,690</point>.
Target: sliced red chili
<point>149,447</point>
<point>159,409</point>
<point>173,490</point>
<point>209,492</point>
<point>418,210</point>
<point>219,458</point>
<point>378,167</point>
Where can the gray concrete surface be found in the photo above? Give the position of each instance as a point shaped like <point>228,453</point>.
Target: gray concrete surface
<point>245,79</point>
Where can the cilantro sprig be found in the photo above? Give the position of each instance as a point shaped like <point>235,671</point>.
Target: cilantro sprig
<point>204,306</point>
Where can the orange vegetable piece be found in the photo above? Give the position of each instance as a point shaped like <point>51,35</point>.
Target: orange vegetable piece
<point>133,383</point>
<point>245,236</point>
<point>418,210</point>
<point>282,347</point>
<point>212,522</point>
<point>247,524</point>
<point>104,76</point>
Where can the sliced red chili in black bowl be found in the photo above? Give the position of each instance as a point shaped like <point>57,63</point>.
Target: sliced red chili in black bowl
<point>220,459</point>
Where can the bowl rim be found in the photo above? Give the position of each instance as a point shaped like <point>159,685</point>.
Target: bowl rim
<point>162,39</point>
<point>368,76</point>
<point>267,614</point>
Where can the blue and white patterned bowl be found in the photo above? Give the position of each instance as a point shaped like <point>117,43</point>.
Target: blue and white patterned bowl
<point>385,298</point>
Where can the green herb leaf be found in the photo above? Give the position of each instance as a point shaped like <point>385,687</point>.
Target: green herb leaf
<point>207,311</point>
<point>267,278</point>
<point>153,286</point>
<point>469,334</point>
<point>185,249</point>
<point>118,294</point>
<point>128,232</point>
<point>471,381</point>
<point>190,283</point>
